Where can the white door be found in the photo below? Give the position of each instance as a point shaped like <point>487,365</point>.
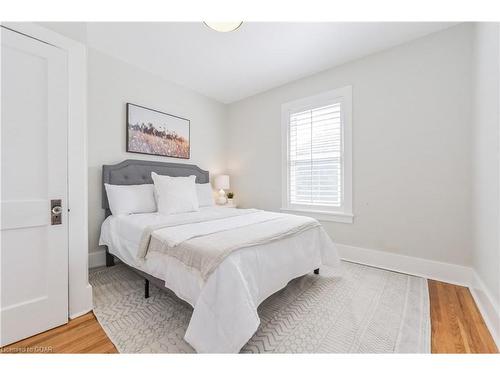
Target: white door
<point>34,253</point>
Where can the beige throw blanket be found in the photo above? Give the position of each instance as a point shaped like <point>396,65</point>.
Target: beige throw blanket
<point>169,221</point>
<point>203,245</point>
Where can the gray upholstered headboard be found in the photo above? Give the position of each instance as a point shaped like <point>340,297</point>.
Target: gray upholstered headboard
<point>138,172</point>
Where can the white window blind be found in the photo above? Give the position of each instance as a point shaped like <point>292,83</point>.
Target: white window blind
<point>315,153</point>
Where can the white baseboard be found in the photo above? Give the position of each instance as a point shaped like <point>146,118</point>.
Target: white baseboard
<point>430,269</point>
<point>80,313</point>
<point>97,258</point>
<point>490,310</point>
<point>84,303</point>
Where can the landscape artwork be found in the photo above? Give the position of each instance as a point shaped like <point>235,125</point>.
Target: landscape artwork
<point>156,133</point>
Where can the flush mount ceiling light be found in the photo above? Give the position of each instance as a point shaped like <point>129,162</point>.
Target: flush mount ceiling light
<point>223,27</point>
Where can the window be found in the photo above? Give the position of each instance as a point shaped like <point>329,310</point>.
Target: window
<point>317,156</point>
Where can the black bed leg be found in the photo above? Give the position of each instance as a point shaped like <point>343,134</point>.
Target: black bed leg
<point>146,288</point>
<point>110,259</point>
<point>316,271</point>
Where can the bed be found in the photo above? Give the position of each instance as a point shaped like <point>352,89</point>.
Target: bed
<point>226,294</point>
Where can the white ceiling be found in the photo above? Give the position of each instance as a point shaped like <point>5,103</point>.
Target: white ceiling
<point>255,58</point>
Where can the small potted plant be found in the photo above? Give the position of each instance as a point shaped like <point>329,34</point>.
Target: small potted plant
<point>230,196</point>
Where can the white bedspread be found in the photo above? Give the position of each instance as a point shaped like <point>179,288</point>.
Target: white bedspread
<point>204,245</point>
<point>225,305</point>
<point>187,223</point>
<point>173,236</point>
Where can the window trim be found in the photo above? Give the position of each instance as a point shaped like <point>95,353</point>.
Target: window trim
<point>345,213</point>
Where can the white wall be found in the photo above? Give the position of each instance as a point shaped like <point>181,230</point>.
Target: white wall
<point>486,258</point>
<point>111,84</point>
<point>412,154</point>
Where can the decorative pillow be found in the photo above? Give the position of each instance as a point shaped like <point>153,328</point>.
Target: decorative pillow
<point>175,194</point>
<point>130,199</point>
<point>205,195</point>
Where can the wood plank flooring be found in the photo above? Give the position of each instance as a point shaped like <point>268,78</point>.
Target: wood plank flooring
<point>457,327</point>
<point>457,324</point>
<point>81,335</point>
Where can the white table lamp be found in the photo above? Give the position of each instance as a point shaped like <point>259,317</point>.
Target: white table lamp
<point>221,183</point>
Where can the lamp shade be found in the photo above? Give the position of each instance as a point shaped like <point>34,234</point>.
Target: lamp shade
<point>222,182</point>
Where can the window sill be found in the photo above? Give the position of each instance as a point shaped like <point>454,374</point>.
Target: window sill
<point>339,217</point>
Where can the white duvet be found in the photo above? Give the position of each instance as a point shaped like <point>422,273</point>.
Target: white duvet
<point>225,304</point>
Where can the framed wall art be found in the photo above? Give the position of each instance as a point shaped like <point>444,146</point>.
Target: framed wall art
<point>157,133</point>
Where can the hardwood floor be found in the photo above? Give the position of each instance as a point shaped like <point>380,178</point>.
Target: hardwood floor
<point>457,324</point>
<point>457,327</point>
<point>81,335</point>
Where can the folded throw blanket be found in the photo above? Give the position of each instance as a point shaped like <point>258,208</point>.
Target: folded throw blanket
<point>204,245</point>
<point>177,220</point>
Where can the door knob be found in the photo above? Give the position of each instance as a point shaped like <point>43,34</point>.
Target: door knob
<point>55,212</point>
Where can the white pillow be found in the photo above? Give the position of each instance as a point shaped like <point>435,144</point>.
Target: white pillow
<point>175,194</point>
<point>130,199</point>
<point>205,195</point>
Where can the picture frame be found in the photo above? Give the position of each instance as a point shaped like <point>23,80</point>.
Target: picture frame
<point>152,132</point>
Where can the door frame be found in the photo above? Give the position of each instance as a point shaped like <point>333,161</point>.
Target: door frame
<point>79,289</point>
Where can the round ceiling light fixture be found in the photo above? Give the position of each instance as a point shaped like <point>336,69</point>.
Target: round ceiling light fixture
<point>223,27</point>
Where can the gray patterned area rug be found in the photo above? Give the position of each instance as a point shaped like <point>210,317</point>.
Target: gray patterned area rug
<point>365,310</point>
